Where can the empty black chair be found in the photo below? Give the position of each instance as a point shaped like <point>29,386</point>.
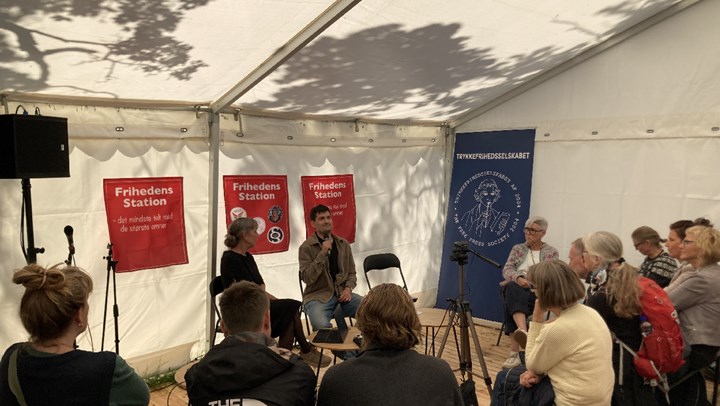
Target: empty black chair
<point>216,288</point>
<point>383,261</point>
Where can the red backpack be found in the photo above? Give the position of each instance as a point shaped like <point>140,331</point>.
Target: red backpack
<point>662,346</point>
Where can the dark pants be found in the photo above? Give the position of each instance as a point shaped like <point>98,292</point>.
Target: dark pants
<point>508,391</point>
<point>517,300</point>
<point>688,384</point>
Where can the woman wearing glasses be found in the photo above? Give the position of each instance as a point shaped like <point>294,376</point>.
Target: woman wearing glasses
<point>695,296</point>
<point>658,265</point>
<point>519,301</point>
<point>674,242</point>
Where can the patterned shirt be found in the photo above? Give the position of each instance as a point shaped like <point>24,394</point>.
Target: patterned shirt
<point>660,269</point>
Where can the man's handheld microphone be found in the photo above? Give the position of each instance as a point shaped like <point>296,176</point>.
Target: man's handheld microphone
<point>326,239</point>
<point>68,230</point>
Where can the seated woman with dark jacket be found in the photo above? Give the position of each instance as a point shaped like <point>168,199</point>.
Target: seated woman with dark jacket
<point>237,264</point>
<point>617,300</point>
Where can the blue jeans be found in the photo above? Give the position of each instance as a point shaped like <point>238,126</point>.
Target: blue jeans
<point>321,313</point>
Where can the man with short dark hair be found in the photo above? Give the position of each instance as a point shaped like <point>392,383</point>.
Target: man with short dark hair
<point>328,269</point>
<point>248,364</point>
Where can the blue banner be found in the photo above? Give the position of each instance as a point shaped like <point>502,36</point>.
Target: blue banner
<point>488,206</point>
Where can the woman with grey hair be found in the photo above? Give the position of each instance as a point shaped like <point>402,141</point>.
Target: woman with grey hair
<point>237,264</point>
<point>519,300</point>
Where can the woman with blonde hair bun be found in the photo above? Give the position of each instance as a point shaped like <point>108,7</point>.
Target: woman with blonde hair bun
<point>49,369</point>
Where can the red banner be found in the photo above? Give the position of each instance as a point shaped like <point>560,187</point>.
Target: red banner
<point>146,222</point>
<point>336,192</point>
<point>264,198</point>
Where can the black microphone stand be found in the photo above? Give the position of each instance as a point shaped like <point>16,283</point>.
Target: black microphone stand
<point>461,313</point>
<point>71,255</point>
<point>116,313</point>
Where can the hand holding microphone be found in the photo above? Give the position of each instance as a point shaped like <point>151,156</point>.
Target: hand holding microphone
<point>327,245</point>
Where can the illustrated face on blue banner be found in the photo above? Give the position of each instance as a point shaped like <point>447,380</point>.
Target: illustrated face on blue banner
<point>489,204</point>
<point>487,208</point>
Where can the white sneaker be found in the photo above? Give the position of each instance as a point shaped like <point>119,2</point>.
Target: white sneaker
<point>512,361</point>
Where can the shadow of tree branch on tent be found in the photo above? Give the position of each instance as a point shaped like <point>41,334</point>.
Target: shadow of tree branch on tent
<point>145,40</point>
<point>396,72</point>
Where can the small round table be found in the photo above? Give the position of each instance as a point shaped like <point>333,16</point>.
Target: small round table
<point>347,345</point>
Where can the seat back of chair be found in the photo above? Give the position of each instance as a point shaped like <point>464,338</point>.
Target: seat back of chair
<point>380,262</point>
<point>216,288</point>
<point>302,301</point>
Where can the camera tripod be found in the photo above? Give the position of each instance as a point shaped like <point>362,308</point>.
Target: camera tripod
<point>461,315</point>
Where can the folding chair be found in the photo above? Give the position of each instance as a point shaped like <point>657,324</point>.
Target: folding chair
<point>216,288</point>
<point>302,303</point>
<point>383,261</point>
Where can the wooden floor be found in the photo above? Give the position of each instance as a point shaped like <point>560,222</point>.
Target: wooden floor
<point>494,357</point>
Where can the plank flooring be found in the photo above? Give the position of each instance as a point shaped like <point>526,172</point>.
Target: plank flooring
<point>494,357</point>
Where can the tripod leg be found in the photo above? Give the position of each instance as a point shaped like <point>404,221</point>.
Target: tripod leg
<point>450,324</point>
<point>478,350</point>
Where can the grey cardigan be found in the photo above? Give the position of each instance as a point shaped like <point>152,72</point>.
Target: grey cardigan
<point>696,297</point>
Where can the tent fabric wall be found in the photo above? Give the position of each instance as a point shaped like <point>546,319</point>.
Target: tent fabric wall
<point>159,308</point>
<point>399,195</point>
<point>628,138</point>
<point>399,191</point>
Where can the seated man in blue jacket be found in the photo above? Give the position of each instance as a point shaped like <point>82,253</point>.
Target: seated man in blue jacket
<point>248,364</point>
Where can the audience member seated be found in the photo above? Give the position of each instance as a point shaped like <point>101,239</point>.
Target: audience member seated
<point>519,300</point>
<point>675,237</point>
<point>49,369</point>
<point>389,371</point>
<point>575,260</point>
<point>248,364</point>
<point>695,296</point>
<point>658,265</point>
<point>569,357</point>
<point>237,264</point>
<point>618,302</point>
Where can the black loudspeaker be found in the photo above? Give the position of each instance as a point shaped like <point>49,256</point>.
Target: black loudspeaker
<point>33,147</point>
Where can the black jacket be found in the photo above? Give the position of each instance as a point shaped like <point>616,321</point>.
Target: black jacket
<point>242,367</point>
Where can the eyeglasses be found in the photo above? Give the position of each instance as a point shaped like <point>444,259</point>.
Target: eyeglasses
<point>638,244</point>
<point>532,231</point>
<point>686,242</point>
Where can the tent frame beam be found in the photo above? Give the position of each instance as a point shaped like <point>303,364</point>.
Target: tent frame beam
<point>295,44</point>
<point>571,63</point>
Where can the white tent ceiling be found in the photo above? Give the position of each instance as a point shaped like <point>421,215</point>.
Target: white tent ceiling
<point>383,59</point>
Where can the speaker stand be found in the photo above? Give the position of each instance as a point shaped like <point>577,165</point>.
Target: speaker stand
<point>31,252</point>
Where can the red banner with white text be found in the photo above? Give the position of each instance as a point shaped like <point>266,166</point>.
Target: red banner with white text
<point>265,199</point>
<point>146,221</point>
<point>336,192</point>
